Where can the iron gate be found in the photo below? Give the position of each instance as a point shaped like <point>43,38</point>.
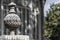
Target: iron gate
<point>28,11</point>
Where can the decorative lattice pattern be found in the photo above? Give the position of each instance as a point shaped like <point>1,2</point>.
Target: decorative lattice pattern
<point>12,19</point>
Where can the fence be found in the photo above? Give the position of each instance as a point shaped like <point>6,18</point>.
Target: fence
<point>29,18</point>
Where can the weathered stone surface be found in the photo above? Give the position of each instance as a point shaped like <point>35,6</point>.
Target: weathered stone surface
<point>14,37</point>
<point>12,20</point>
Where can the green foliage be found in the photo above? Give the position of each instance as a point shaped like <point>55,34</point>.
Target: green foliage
<point>52,23</point>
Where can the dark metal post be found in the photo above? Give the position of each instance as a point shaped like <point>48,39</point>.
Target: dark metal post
<point>41,19</point>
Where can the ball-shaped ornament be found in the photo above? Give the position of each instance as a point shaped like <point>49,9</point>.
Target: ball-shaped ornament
<point>12,20</point>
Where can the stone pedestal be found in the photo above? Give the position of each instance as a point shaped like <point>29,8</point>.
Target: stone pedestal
<point>14,37</point>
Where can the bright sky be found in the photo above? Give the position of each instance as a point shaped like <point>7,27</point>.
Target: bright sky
<point>47,5</point>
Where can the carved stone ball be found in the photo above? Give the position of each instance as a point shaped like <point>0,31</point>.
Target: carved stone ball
<point>12,21</point>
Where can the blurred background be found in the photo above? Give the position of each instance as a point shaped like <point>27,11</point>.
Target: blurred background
<point>52,20</point>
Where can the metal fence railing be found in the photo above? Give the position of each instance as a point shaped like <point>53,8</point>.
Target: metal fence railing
<point>28,15</point>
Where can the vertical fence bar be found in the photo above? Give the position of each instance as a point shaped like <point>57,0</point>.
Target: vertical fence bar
<point>35,29</point>
<point>25,20</point>
<point>41,18</point>
<point>29,30</point>
<point>31,23</point>
<point>22,20</point>
<point>2,23</point>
